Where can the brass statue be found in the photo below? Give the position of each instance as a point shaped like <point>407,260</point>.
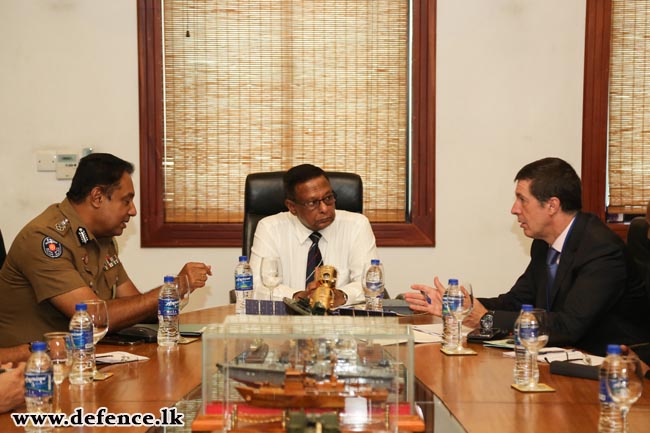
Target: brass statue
<point>323,298</point>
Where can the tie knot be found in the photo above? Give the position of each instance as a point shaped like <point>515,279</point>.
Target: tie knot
<point>551,256</point>
<point>315,237</point>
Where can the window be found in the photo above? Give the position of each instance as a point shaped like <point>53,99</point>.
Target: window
<point>314,73</point>
<point>616,140</point>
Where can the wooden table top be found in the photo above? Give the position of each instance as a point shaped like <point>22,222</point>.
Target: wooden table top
<point>475,389</point>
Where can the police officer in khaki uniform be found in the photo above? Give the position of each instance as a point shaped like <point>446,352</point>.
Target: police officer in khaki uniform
<point>68,254</point>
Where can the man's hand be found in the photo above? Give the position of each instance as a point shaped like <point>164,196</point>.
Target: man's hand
<point>627,351</point>
<point>12,387</point>
<point>426,299</point>
<point>197,274</point>
<point>474,318</point>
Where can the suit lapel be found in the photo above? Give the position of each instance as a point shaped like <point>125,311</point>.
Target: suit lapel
<point>568,255</point>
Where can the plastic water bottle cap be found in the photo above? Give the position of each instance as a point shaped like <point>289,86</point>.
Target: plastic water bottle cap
<point>81,307</point>
<point>374,262</point>
<point>38,346</point>
<point>453,282</point>
<point>613,349</point>
<point>526,307</point>
<point>168,279</point>
<point>243,259</point>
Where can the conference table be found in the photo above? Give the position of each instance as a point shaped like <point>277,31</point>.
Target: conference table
<point>456,393</point>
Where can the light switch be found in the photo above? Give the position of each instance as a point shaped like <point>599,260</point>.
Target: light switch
<point>45,160</point>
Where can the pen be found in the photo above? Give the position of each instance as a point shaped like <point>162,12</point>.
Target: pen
<point>426,296</point>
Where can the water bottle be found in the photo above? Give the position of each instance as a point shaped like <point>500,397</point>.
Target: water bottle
<point>450,337</point>
<point>168,309</point>
<point>38,384</point>
<point>243,284</point>
<point>373,286</point>
<point>83,349</point>
<point>610,420</point>
<point>523,372</point>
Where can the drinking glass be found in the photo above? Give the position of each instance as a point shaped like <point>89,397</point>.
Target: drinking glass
<point>183,286</point>
<point>59,345</point>
<point>533,335</point>
<point>460,302</point>
<point>625,384</point>
<point>98,312</point>
<point>271,270</point>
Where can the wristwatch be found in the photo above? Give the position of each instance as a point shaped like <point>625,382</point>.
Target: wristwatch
<point>487,320</point>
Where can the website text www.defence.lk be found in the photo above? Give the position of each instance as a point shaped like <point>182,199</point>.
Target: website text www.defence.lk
<point>100,418</point>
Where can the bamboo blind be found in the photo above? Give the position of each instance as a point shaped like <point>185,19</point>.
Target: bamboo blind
<point>629,103</point>
<point>263,85</point>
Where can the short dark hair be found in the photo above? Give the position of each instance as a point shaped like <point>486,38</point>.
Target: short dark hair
<point>300,174</point>
<point>553,177</point>
<point>97,169</point>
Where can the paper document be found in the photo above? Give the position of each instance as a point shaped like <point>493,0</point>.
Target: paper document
<point>436,329</point>
<point>550,354</point>
<point>118,357</point>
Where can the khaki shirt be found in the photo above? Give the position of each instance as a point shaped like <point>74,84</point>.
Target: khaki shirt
<point>53,254</point>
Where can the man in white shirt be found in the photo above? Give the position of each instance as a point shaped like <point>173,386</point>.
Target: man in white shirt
<point>313,228</point>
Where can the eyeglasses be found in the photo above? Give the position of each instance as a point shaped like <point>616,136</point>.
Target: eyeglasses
<point>329,200</point>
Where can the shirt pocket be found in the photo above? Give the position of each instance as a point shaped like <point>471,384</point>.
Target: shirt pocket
<point>110,283</point>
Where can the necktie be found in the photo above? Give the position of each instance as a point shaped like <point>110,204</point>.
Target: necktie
<point>314,258</point>
<point>552,264</point>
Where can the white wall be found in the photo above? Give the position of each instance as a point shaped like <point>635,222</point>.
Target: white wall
<point>509,91</point>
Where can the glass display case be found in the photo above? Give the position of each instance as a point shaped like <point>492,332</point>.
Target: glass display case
<point>295,373</point>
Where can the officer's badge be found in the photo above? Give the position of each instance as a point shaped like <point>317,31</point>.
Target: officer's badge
<point>62,225</point>
<point>52,248</point>
<point>82,235</point>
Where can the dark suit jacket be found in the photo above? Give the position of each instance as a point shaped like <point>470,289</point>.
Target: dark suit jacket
<point>597,297</point>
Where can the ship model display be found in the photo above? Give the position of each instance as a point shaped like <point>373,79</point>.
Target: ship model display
<point>297,374</point>
<point>300,391</point>
<point>363,367</point>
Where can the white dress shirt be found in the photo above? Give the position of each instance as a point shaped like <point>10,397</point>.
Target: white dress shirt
<point>348,244</point>
<point>558,244</point>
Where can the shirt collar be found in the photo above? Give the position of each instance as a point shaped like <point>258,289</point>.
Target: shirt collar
<point>558,244</point>
<point>74,220</point>
<point>303,232</point>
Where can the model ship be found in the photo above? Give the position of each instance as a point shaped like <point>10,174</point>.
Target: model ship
<point>300,391</point>
<point>367,366</point>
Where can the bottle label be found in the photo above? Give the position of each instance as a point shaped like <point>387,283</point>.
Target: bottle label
<point>376,288</point>
<point>38,384</point>
<point>454,302</point>
<point>603,394</point>
<point>528,332</point>
<point>82,338</point>
<point>243,282</point>
<point>445,305</point>
<point>168,307</point>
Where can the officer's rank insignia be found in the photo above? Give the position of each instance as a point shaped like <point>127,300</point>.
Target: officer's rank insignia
<point>111,262</point>
<point>82,234</point>
<point>52,248</point>
<point>62,225</point>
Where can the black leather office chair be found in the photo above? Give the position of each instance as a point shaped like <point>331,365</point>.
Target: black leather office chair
<point>3,252</point>
<point>264,196</point>
<point>638,246</point>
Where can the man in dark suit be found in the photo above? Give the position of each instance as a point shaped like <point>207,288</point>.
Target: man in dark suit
<point>595,296</point>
